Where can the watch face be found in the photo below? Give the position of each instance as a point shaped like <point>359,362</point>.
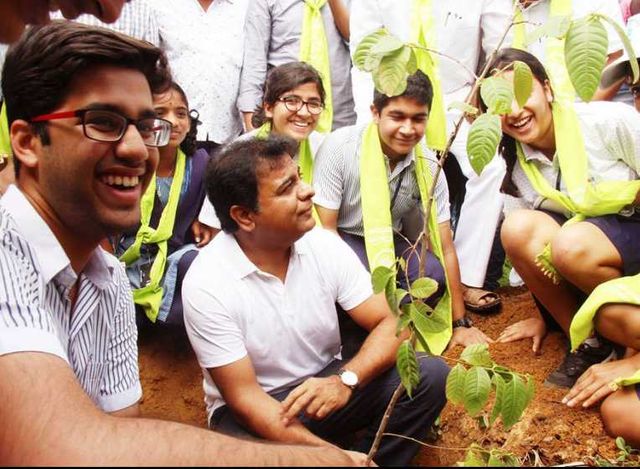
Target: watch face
<point>349,378</point>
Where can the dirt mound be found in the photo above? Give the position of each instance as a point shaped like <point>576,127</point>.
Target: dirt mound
<point>549,432</point>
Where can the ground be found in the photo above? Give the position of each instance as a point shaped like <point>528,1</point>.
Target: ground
<point>549,432</point>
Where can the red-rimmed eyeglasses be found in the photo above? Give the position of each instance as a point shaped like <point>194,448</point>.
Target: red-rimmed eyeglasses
<point>110,126</point>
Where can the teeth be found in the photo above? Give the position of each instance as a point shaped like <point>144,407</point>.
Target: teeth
<point>125,181</point>
<point>521,122</point>
<point>301,124</point>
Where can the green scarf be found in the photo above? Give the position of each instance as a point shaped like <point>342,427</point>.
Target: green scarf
<point>378,227</point>
<point>584,199</point>
<point>150,295</point>
<point>423,33</point>
<point>314,50</point>
<point>5,139</point>
<point>620,290</point>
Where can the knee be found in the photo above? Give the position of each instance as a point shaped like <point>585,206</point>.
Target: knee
<point>619,323</point>
<point>518,228</point>
<point>569,252</point>
<point>433,377</point>
<point>617,419</point>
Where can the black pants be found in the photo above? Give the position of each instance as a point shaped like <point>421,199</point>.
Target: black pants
<point>410,417</point>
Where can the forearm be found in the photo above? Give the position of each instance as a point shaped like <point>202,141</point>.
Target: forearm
<point>261,413</point>
<point>378,352</point>
<point>455,284</point>
<point>340,17</point>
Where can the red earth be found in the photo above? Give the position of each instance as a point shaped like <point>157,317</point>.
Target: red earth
<point>549,433</point>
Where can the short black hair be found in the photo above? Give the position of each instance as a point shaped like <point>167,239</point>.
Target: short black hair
<point>40,67</point>
<point>419,89</point>
<point>232,179</point>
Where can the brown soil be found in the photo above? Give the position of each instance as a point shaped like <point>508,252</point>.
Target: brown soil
<point>549,432</point>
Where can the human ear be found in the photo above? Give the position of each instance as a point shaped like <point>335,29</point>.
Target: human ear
<point>25,143</point>
<point>268,110</point>
<point>375,114</point>
<point>548,92</point>
<point>243,218</point>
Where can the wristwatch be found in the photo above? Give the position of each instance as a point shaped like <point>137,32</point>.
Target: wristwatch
<point>348,378</point>
<point>462,322</point>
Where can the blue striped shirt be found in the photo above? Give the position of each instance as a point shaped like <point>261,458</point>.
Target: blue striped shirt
<point>97,337</point>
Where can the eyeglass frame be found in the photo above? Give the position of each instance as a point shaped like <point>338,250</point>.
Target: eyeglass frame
<point>82,112</point>
<point>303,103</point>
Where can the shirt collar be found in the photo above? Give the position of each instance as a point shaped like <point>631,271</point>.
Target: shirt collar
<point>241,265</point>
<point>51,256</point>
<point>531,154</point>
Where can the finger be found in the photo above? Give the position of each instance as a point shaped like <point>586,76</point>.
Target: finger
<point>107,10</point>
<point>291,398</point>
<point>585,393</point>
<point>34,12</point>
<point>601,393</point>
<point>296,407</point>
<point>69,9</point>
<point>314,406</point>
<point>537,342</point>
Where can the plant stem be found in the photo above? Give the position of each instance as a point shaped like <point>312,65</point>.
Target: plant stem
<point>383,423</point>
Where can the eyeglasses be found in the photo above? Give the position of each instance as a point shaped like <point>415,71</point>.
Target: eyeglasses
<point>294,104</point>
<point>110,126</point>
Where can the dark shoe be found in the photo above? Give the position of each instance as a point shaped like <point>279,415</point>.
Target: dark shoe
<point>481,301</point>
<point>576,363</point>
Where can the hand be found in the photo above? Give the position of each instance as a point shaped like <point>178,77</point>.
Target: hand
<point>467,336</point>
<point>360,459</point>
<point>532,327</point>
<point>594,384</point>
<point>202,233</point>
<point>316,397</point>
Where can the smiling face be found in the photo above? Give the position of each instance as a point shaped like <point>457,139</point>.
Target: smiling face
<point>172,107</point>
<point>94,188</point>
<point>284,202</point>
<point>533,123</point>
<point>401,125</point>
<point>296,125</point>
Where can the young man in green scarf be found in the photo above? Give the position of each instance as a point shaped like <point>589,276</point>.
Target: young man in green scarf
<point>371,183</point>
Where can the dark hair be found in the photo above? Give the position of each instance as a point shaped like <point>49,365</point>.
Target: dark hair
<point>419,89</point>
<point>41,66</point>
<point>285,78</point>
<point>504,60</point>
<point>232,179</point>
<point>188,145</point>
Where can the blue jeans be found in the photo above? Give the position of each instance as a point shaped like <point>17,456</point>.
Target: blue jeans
<point>364,411</point>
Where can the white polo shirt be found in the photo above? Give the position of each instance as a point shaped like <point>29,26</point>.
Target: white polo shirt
<point>289,330</point>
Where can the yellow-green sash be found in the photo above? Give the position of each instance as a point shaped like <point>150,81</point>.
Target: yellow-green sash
<point>621,290</point>
<point>423,33</point>
<point>150,295</point>
<point>378,227</point>
<point>314,50</point>
<point>584,199</point>
<point>5,139</point>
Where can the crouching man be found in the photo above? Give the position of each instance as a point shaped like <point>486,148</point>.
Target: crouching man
<point>260,312</point>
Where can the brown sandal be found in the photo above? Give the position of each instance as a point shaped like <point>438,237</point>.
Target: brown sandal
<point>473,296</point>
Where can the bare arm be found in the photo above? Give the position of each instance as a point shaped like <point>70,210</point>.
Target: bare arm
<point>48,420</point>
<point>256,409</point>
<point>127,412</point>
<point>328,217</point>
<point>340,17</point>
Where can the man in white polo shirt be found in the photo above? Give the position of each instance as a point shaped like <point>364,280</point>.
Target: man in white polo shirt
<point>259,305</point>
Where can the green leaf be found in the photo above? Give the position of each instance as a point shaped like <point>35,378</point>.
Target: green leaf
<point>363,58</point>
<point>621,444</point>
<point>408,368</point>
<point>585,53</point>
<point>455,384</point>
<point>464,107</point>
<point>531,389</point>
<point>498,458</point>
<point>498,383</point>
<point>425,324</point>
<point>475,458</point>
<point>514,401</point>
<point>390,295</point>
<point>386,44</point>
<point>390,77</point>
<point>522,82</point>
<point>628,47</point>
<point>402,263</point>
<point>497,94</point>
<point>403,322</point>
<point>400,294</point>
<point>477,355</point>
<point>412,63</point>
<point>483,139</point>
<point>381,277</point>
<point>555,26</point>
<point>477,385</point>
<point>423,287</point>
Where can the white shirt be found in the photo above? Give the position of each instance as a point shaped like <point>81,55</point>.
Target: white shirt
<point>336,179</point>
<point>611,133</point>
<point>205,50</point>
<point>538,13</point>
<point>98,338</point>
<point>464,30</point>
<point>289,331</point>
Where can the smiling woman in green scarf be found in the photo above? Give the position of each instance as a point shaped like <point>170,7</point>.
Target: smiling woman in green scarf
<point>572,170</point>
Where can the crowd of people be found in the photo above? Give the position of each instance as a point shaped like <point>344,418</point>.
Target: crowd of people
<point>219,167</point>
